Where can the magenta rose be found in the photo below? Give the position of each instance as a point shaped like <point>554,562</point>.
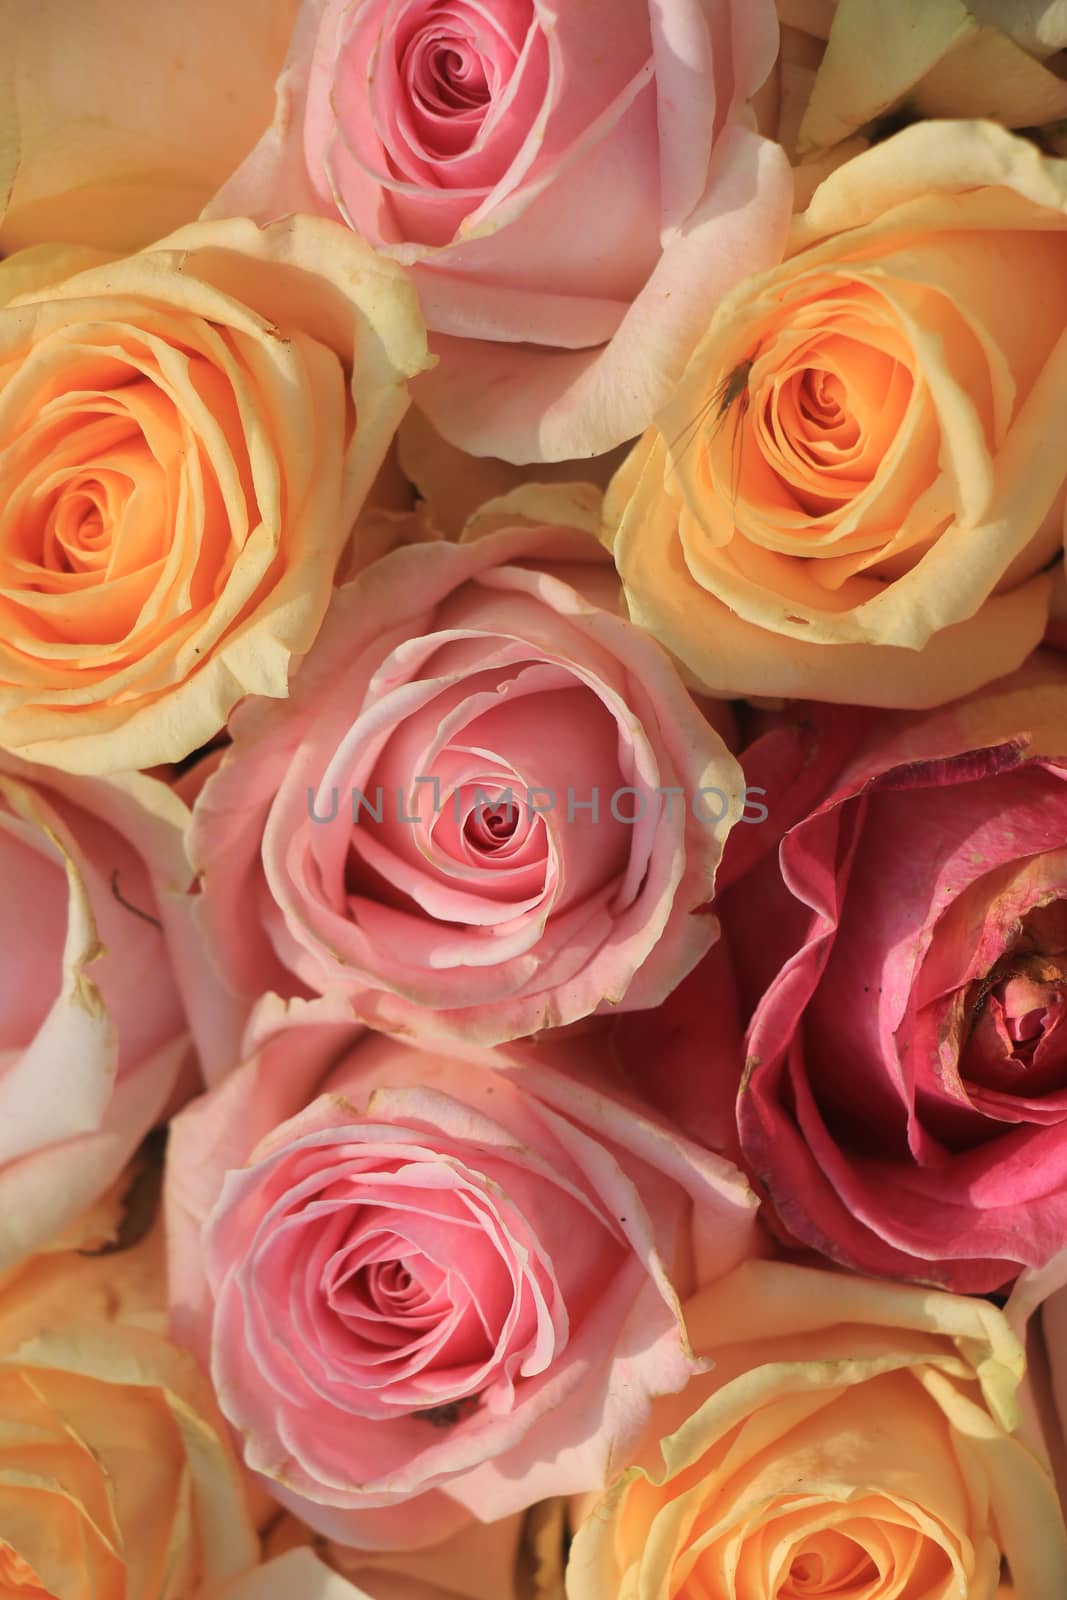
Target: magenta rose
<point>489,806</point>
<point>905,1096</point>
<point>434,1288</point>
<point>93,1039</point>
<point>574,187</point>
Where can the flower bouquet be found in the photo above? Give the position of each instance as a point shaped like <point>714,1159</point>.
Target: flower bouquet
<point>533,800</point>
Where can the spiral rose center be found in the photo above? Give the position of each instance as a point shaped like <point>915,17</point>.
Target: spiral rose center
<point>822,399</point>
<point>389,1299</point>
<point>412,1293</point>
<point>1031,1005</point>
<point>832,1564</point>
<point>452,65</point>
<point>804,427</point>
<point>447,76</point>
<point>89,522</point>
<point>828,418</point>
<point>78,533</point>
<point>1017,1015</point>
<point>490,827</point>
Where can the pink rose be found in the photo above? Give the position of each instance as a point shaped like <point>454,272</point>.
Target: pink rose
<point>905,1097</point>
<point>433,1288</point>
<point>489,806</point>
<point>92,1034</point>
<point>574,186</point>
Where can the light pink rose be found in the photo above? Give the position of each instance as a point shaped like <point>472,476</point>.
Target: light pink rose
<point>435,1287</point>
<point>93,1039</point>
<point>574,186</point>
<point>497,671</point>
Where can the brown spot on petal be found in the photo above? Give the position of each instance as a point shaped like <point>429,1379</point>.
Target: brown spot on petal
<point>449,1414</point>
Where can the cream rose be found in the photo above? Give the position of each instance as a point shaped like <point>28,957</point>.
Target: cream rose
<point>935,58</point>
<point>1037,1310</point>
<point>186,436</point>
<point>862,1447</point>
<point>857,488</point>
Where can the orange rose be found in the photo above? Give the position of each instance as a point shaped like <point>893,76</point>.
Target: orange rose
<point>186,436</point>
<point>857,488</point>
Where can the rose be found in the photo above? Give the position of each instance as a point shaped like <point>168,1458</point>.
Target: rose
<point>1037,1310</point>
<point>434,1288</point>
<point>967,58</point>
<point>93,1039</point>
<point>489,805</point>
<point>855,489</point>
<point>186,436</point>
<point>904,1101</point>
<point>861,1447</point>
<point>485,1561</point>
<point>573,186</point>
<point>124,1285</point>
<point>298,1572</point>
<point>116,1477</point>
<point>79,161</point>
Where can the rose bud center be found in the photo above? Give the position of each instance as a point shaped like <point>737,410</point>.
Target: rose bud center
<point>1017,1039</point>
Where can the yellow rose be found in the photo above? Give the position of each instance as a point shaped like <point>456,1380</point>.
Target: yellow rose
<point>117,1478</point>
<point>186,437</point>
<point>857,487</point>
<point>853,1439</point>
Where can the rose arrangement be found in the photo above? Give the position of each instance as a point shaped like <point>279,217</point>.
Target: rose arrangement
<point>533,801</point>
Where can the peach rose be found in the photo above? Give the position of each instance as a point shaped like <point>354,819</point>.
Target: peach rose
<point>574,187</point>
<point>486,1561</point>
<point>856,490</point>
<point>853,1439</point>
<point>186,436</point>
<point>298,1573</point>
<point>85,160</point>
<point>117,1481</point>
<point>93,1037</point>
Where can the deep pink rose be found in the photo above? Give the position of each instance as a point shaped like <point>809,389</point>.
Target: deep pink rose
<point>434,1287</point>
<point>574,186</point>
<point>415,827</point>
<point>93,1039</point>
<point>905,1097</point>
